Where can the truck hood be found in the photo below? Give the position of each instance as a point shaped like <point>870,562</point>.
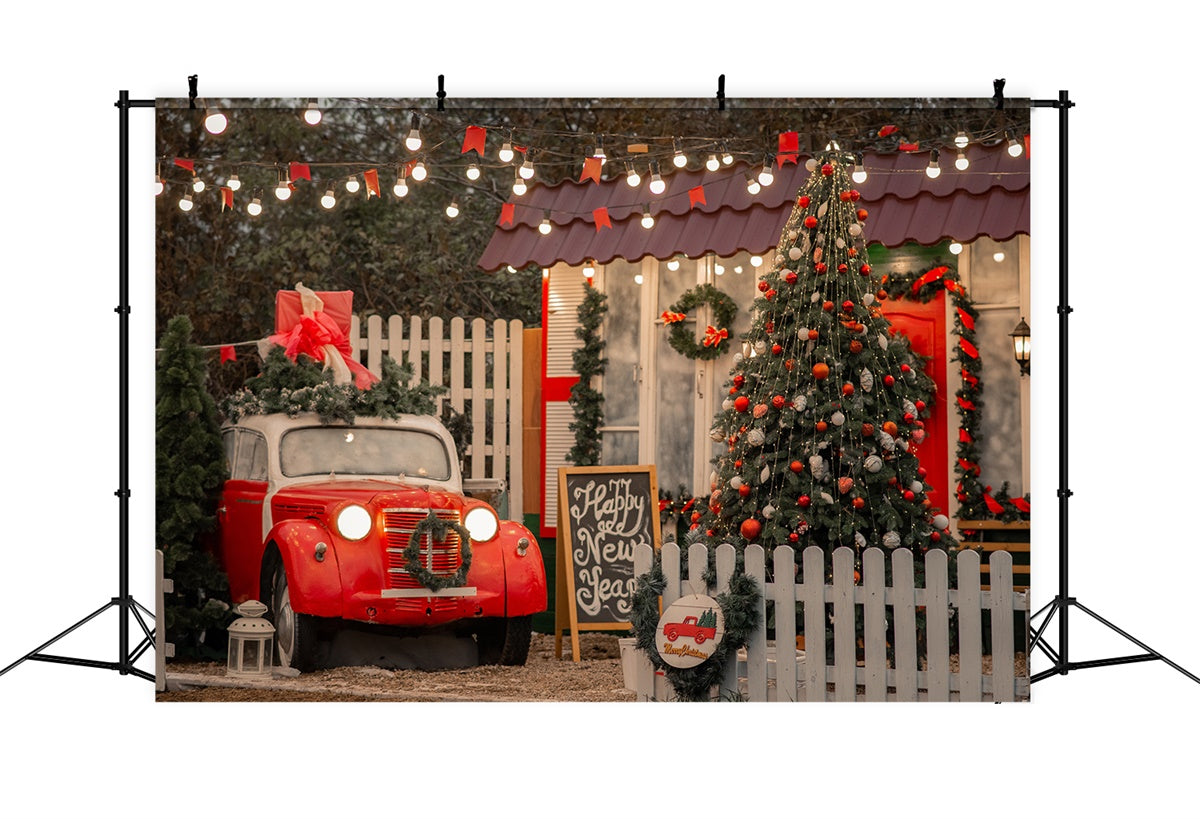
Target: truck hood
<point>322,494</point>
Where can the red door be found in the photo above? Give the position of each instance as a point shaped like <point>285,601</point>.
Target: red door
<point>925,326</point>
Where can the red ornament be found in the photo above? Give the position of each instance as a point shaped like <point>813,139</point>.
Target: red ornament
<point>751,528</point>
<point>810,221</point>
<point>827,307</point>
<point>789,364</point>
<point>889,380</point>
<point>856,346</point>
<point>733,390</point>
<point>868,430</point>
<point>803,201</point>
<point>822,426</point>
<point>848,306</point>
<point>922,472</point>
<point>858,503</point>
<point>793,537</point>
<point>770,325</point>
<point>844,196</point>
<point>776,349</point>
<point>842,268</point>
<point>739,380</point>
<point>847,389</point>
<point>820,371</point>
<point>813,335</point>
<point>744,490</point>
<point>741,403</point>
<point>777,402</point>
<point>904,368</point>
<point>695,516</point>
<point>909,417</point>
<point>770,294</point>
<point>804,501</point>
<point>763,285</point>
<point>737,464</point>
<point>790,277</point>
<point>935,536</point>
<point>820,267</point>
<point>796,466</point>
<point>908,494</point>
<point>852,252</point>
<point>855,195</point>
<point>881,294</point>
<point>889,427</point>
<point>861,214</point>
<point>827,169</point>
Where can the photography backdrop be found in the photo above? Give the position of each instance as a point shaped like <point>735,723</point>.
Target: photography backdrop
<point>1118,725</point>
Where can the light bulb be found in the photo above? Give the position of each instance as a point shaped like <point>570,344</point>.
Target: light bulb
<point>726,157</point>
<point>312,114</point>
<point>526,169</point>
<point>472,172</point>
<point>933,170</point>
<point>158,185</point>
<point>255,207</point>
<point>765,176</point>
<point>647,219</point>
<point>961,140</point>
<point>719,269</point>
<point>962,163</point>
<point>956,248</point>
<point>511,269</point>
<point>418,172</point>
<point>712,163</point>
<point>860,174</point>
<point>506,152</point>
<point>197,184</point>
<point>185,204</point>
<point>545,227</point>
<point>214,121</point>
<point>998,256</point>
<point>679,160</point>
<point>413,140</point>
<point>657,185</point>
<point>637,278</point>
<point>673,265</point>
<point>599,154</point>
<point>452,210</point>
<point>400,189</point>
<point>282,191</point>
<point>738,269</point>
<point>352,184</point>
<point>328,200</point>
<point>545,273</point>
<point>234,184</point>
<point>756,261</point>
<point>519,186</point>
<point>589,270</point>
<point>632,179</point>
<point>1014,147</point>
<point>752,185</point>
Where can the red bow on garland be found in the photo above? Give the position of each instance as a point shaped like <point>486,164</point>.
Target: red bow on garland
<point>713,336</point>
<point>672,318</point>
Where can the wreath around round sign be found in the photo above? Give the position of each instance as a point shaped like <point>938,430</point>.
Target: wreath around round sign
<point>683,339</point>
<point>435,526</point>
<point>739,608</point>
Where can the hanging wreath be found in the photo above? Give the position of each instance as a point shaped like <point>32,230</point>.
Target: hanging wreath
<point>435,526</point>
<point>716,336</point>
<point>976,501</point>
<point>739,608</point>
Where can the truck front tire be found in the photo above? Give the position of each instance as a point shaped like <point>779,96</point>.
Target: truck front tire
<point>504,640</point>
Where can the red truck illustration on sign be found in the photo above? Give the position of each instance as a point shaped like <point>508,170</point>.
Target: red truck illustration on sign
<point>701,629</point>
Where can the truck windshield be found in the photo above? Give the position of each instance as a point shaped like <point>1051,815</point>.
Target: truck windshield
<point>363,451</point>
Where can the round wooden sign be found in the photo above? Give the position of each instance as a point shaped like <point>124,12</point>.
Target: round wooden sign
<point>690,630</point>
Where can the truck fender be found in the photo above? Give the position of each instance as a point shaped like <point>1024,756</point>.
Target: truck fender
<point>524,574</point>
<point>314,585</point>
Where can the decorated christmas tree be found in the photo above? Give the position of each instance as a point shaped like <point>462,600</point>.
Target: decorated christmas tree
<point>823,419</point>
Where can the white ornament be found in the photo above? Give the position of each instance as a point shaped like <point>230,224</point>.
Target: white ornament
<point>886,441</point>
<point>941,521</point>
<point>810,165</point>
<point>760,346</point>
<point>869,299</point>
<point>883,341</point>
<point>917,487</point>
<point>822,210</point>
<point>903,444</point>
<point>727,404</point>
<point>856,230</point>
<point>802,332</point>
<point>755,437</point>
<point>716,435</point>
<point>825,496</point>
<point>873,463</point>
<point>816,465</point>
<point>866,380</point>
<point>816,297</point>
<point>738,358</point>
<point>735,482</point>
<point>891,540</point>
<point>909,406</point>
<point>795,254</point>
<point>768,511</point>
<point>838,418</point>
<point>792,235</point>
<point>841,243</point>
<point>799,402</point>
<point>712,479</point>
<point>859,540</point>
<point>765,475</point>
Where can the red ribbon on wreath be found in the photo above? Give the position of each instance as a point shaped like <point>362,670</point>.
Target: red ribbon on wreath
<point>672,318</point>
<point>318,335</point>
<point>713,336</point>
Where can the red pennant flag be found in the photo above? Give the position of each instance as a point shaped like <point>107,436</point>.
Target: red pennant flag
<point>992,504</point>
<point>696,197</point>
<point>474,140</point>
<point>966,319</point>
<point>968,467</point>
<point>789,146</point>
<point>591,169</point>
<point>887,131</point>
<point>506,213</point>
<point>965,404</point>
<point>371,177</point>
<point>968,348</point>
<point>226,198</point>
<point>186,164</point>
<point>909,146</point>
<point>964,437</point>
<point>228,353</point>
<point>1021,503</point>
<point>600,217</point>
<point>524,149</point>
<point>1026,156</point>
<point>298,170</point>
<point>970,379</point>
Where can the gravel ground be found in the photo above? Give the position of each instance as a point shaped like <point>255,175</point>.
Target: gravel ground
<point>544,678</point>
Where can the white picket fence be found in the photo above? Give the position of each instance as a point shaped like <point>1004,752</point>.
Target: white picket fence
<point>764,674</point>
<point>483,373</point>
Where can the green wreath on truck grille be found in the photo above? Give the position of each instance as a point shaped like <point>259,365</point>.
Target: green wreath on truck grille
<point>437,527</point>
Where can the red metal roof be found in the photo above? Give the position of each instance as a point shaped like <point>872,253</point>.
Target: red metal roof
<point>990,198</point>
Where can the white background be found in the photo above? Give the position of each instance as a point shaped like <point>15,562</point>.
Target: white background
<point>1107,742</point>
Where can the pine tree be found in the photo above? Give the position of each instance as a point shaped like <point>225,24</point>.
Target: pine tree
<point>823,419</point>
<point>189,471</point>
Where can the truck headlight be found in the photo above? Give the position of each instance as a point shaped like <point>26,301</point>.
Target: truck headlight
<point>482,523</point>
<point>354,522</point>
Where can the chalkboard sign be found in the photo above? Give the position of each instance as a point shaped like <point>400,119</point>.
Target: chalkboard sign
<point>604,513</point>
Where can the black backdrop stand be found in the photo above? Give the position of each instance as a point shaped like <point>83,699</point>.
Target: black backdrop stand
<point>124,602</point>
<point>1062,604</point>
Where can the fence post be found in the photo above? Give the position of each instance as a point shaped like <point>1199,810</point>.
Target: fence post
<point>937,625</point>
<point>874,625</point>
<point>905,618</point>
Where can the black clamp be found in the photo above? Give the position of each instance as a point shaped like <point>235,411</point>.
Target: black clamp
<point>193,81</point>
<point>441,92</point>
<point>1064,310</point>
<point>1065,493</point>
<point>721,93</point>
<point>998,97</point>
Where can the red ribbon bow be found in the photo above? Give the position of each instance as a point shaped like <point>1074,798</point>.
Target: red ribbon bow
<point>713,336</point>
<point>672,318</point>
<point>312,334</point>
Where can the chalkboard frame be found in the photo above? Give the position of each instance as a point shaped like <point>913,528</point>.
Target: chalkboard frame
<point>566,613</point>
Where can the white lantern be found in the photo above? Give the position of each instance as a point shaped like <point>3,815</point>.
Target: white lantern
<point>251,640</point>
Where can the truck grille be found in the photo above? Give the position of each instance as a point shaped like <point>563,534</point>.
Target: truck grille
<point>441,557</point>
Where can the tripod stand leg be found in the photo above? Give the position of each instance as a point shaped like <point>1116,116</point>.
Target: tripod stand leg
<point>1152,654</point>
<point>33,654</point>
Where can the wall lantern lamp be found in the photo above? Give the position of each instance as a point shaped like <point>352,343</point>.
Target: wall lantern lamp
<point>251,639</point>
<point>1020,337</point>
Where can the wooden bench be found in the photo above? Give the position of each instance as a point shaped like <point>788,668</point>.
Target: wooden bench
<point>994,536</point>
